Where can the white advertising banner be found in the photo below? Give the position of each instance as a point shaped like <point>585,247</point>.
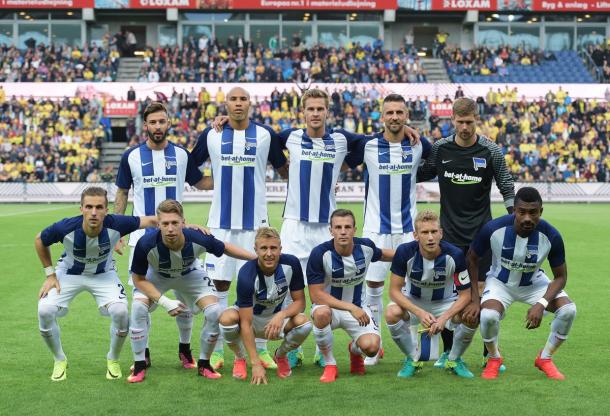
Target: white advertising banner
<point>276,192</point>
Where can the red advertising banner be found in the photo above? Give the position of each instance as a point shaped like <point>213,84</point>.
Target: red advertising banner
<point>461,5</point>
<point>121,108</point>
<point>163,4</point>
<point>569,5</point>
<point>313,4</point>
<point>46,4</point>
<point>441,109</point>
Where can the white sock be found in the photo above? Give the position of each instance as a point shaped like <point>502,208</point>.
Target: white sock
<point>119,328</point>
<point>355,349</point>
<point>47,322</point>
<point>138,330</point>
<point>490,327</point>
<point>184,321</point>
<point>560,327</point>
<point>294,338</point>
<point>401,334</point>
<point>223,302</point>
<point>461,340</point>
<point>209,331</point>
<point>374,300</point>
<point>231,336</point>
<point>324,340</point>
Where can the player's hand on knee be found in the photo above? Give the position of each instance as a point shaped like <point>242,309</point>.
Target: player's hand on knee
<point>172,306</point>
<point>534,316</point>
<point>471,312</point>
<point>273,327</point>
<point>361,316</point>
<point>218,122</point>
<point>258,374</point>
<point>426,319</point>
<point>49,284</point>
<point>437,327</point>
<point>118,248</point>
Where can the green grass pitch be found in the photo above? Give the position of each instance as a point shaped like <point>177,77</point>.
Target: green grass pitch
<point>26,364</point>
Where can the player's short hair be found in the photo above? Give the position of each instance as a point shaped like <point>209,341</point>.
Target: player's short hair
<point>266,232</point>
<point>170,206</point>
<point>314,93</point>
<point>341,212</point>
<point>94,191</point>
<point>426,216</point>
<point>528,194</point>
<point>155,107</point>
<point>394,98</point>
<point>464,107</point>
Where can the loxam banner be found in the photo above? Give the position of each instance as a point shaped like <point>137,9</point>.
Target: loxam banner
<point>507,5</point>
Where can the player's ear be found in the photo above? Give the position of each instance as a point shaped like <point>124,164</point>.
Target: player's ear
<point>440,232</point>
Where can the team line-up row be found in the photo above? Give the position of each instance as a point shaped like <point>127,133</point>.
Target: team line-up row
<point>431,283</point>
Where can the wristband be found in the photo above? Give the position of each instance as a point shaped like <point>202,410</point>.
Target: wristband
<point>49,270</point>
<point>543,302</point>
<point>167,303</point>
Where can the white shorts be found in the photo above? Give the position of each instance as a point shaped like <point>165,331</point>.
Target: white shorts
<point>259,323</point>
<point>435,308</point>
<point>190,288</point>
<point>299,238</point>
<point>224,267</point>
<point>106,289</point>
<point>506,295</point>
<point>378,271</point>
<point>345,320</point>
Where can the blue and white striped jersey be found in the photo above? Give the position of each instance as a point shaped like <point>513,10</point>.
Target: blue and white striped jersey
<point>84,255</point>
<point>156,175</point>
<point>431,280</point>
<point>516,260</point>
<point>152,252</point>
<point>342,277</point>
<point>315,164</point>
<point>265,294</point>
<point>239,162</point>
<point>390,183</point>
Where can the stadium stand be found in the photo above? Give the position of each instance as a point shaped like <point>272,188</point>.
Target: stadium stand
<point>515,65</point>
<point>554,139</point>
<point>600,55</point>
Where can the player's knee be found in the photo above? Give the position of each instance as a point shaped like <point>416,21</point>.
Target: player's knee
<point>369,345</point>
<point>46,313</point>
<point>139,310</point>
<point>393,314</point>
<point>564,316</point>
<point>322,316</point>
<point>300,319</point>
<point>212,312</point>
<point>374,285</point>
<point>489,317</point>
<point>229,317</point>
<point>222,285</point>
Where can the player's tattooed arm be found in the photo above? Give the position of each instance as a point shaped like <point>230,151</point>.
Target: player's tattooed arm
<point>205,184</point>
<point>44,254</point>
<point>120,201</point>
<point>387,254</point>
<point>283,171</point>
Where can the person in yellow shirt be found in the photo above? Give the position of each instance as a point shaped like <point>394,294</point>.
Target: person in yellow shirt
<point>220,96</point>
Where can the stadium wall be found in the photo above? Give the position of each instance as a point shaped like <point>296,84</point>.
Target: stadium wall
<point>276,192</point>
<point>118,90</point>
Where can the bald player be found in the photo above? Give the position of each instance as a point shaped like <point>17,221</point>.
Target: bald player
<point>239,154</point>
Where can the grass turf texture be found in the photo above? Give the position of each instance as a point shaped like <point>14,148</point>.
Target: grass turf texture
<point>27,364</point>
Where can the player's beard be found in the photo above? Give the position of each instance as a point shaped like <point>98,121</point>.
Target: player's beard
<point>154,138</point>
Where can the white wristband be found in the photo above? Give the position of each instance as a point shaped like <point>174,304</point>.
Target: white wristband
<point>543,302</point>
<point>168,303</point>
<point>48,271</point>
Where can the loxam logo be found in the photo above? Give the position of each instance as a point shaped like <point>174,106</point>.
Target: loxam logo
<point>463,178</point>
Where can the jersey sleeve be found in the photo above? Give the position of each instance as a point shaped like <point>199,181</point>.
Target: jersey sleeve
<point>276,150</point>
<point>56,232</point>
<point>139,265</point>
<point>284,135</point>
<point>557,254</point>
<point>245,286</point>
<point>426,148</point>
<point>427,170</point>
<point>193,174</point>
<point>211,243</point>
<point>297,282</point>
<point>356,147</point>
<point>200,152</point>
<point>504,180</point>
<point>124,179</point>
<point>482,242</point>
<point>399,262</point>
<point>315,267</point>
<point>377,253</point>
<point>124,224</point>
<point>461,278</point>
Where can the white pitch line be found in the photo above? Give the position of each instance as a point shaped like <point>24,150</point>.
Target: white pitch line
<point>32,211</point>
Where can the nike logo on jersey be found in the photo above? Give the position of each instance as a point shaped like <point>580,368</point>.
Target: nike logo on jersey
<point>336,270</point>
<point>446,161</point>
<point>146,164</point>
<point>507,248</point>
<point>225,143</point>
<point>383,153</point>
